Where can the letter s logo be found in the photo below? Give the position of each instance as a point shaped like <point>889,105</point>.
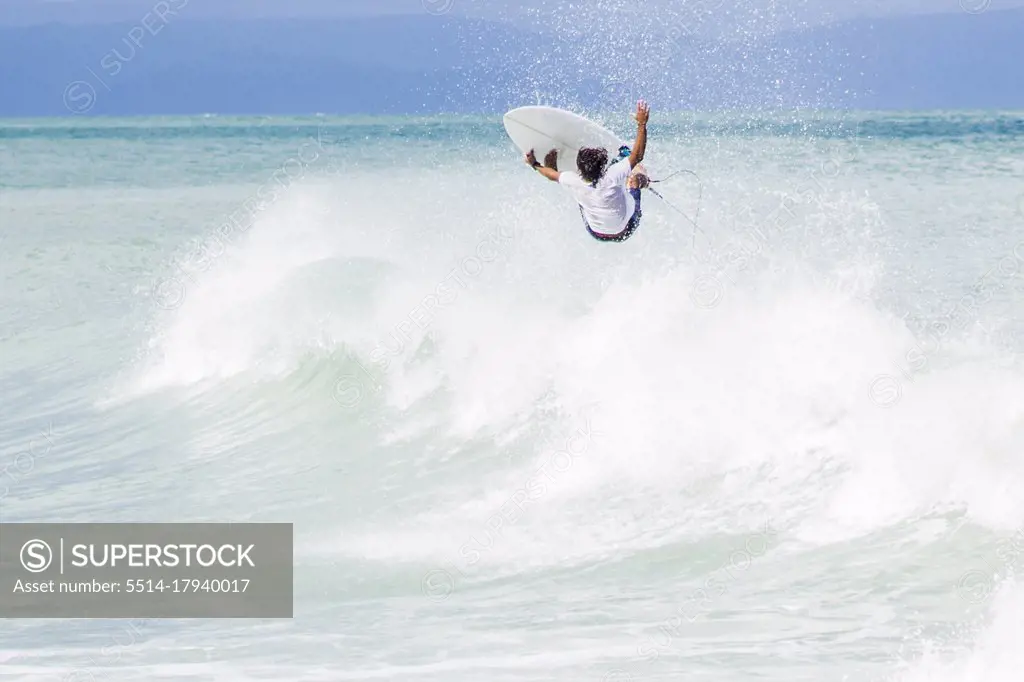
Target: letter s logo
<point>36,556</point>
<point>79,97</point>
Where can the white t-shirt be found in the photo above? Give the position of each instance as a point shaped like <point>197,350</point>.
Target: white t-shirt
<point>607,207</point>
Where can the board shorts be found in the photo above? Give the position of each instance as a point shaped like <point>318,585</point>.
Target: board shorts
<point>627,232</point>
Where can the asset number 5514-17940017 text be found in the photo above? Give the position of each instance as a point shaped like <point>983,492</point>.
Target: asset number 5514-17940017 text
<point>186,585</point>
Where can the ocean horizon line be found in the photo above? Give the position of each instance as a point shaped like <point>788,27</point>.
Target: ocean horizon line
<point>451,116</point>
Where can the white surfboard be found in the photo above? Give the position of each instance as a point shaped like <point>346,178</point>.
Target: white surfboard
<point>545,128</point>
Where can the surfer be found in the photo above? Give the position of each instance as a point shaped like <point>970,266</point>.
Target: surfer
<point>608,194</point>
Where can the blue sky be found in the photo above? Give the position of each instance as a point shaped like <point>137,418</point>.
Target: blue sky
<point>811,11</point>
<point>424,56</point>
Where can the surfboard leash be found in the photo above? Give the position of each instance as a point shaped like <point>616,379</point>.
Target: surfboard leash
<point>700,195</point>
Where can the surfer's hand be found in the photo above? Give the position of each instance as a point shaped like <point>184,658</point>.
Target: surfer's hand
<point>643,112</point>
<point>531,160</point>
<point>551,160</point>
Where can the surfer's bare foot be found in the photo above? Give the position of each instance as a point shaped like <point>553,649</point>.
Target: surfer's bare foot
<point>638,179</point>
<point>551,160</point>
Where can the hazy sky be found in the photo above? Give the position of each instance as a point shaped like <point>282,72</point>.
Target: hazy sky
<point>961,58</point>
<point>810,11</point>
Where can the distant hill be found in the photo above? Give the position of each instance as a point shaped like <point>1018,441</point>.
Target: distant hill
<point>427,64</point>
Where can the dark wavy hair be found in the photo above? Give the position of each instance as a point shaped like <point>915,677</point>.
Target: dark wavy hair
<point>591,163</point>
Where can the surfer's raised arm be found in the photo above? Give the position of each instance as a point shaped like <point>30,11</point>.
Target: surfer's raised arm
<point>643,112</point>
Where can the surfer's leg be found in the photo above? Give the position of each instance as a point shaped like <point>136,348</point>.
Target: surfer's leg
<point>638,179</point>
<point>637,213</point>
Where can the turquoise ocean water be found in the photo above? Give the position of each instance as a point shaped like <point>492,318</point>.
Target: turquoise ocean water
<point>784,444</point>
